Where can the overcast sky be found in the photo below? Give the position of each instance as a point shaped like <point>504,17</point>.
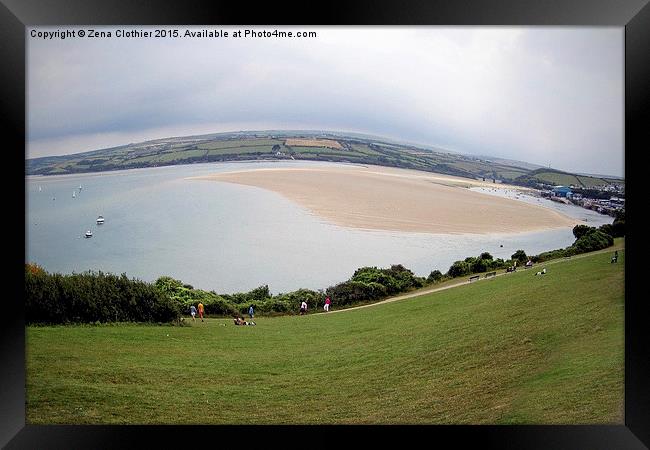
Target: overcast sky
<point>544,95</point>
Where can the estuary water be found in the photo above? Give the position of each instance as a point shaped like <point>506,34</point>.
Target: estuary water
<point>232,238</point>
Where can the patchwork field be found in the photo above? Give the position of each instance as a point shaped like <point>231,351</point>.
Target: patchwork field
<point>278,145</point>
<point>517,348</point>
<point>313,143</point>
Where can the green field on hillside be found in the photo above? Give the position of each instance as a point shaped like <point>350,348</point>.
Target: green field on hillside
<point>265,145</point>
<point>234,143</point>
<point>518,348</point>
<point>253,146</point>
<point>243,150</point>
<point>567,179</point>
<point>558,178</point>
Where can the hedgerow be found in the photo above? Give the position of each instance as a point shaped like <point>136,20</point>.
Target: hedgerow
<point>93,297</point>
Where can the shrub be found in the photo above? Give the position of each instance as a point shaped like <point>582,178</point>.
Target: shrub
<point>350,292</point>
<point>185,296</point>
<point>435,276</point>
<point>618,226</point>
<point>291,301</point>
<point>479,265</point>
<point>519,256</point>
<point>218,306</point>
<point>499,264</point>
<point>607,229</point>
<point>582,230</point>
<point>547,256</point>
<point>459,268</point>
<point>276,305</point>
<point>94,297</point>
<point>257,295</point>
<point>595,240</point>
<point>395,279</point>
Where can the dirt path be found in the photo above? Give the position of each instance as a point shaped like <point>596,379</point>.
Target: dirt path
<point>462,283</point>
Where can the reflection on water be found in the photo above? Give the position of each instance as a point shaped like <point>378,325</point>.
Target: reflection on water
<point>227,237</point>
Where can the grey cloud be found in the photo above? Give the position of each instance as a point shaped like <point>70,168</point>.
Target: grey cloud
<point>543,95</point>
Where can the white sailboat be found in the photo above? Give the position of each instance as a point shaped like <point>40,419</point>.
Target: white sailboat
<point>74,194</point>
<point>89,234</point>
<point>40,189</point>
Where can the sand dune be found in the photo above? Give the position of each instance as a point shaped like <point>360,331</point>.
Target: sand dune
<point>399,200</point>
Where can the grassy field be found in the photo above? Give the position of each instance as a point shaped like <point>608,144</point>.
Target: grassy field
<point>235,143</point>
<point>567,179</point>
<point>517,348</point>
<point>242,150</point>
<point>313,143</point>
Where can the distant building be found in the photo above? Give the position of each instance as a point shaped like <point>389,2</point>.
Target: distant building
<point>562,191</point>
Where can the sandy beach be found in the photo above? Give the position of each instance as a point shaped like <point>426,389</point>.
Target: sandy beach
<point>382,198</point>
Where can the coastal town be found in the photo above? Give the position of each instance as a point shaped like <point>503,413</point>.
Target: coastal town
<point>608,199</point>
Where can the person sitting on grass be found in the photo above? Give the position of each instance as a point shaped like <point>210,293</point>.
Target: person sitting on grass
<point>241,321</point>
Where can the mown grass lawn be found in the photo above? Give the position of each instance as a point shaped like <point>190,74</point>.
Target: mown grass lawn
<point>518,348</point>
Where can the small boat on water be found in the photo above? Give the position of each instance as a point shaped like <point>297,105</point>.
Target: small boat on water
<point>100,220</point>
<point>74,194</point>
<point>89,234</point>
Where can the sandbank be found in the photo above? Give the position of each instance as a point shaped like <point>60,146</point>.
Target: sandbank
<point>381,198</point>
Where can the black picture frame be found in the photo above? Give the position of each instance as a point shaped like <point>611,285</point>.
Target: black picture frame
<point>16,15</point>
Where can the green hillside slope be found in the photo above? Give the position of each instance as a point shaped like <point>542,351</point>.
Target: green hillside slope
<point>270,145</point>
<point>556,177</point>
<point>517,348</point>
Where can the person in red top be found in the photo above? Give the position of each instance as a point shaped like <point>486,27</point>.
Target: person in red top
<point>327,304</point>
<point>201,311</point>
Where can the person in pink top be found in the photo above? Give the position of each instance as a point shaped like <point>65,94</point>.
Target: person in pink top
<point>327,304</point>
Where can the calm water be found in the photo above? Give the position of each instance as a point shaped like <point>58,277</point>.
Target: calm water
<point>230,238</point>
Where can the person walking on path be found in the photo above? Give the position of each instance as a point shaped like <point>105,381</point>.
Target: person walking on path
<point>251,312</point>
<point>193,313</point>
<point>327,304</point>
<point>201,311</point>
<point>303,308</point>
